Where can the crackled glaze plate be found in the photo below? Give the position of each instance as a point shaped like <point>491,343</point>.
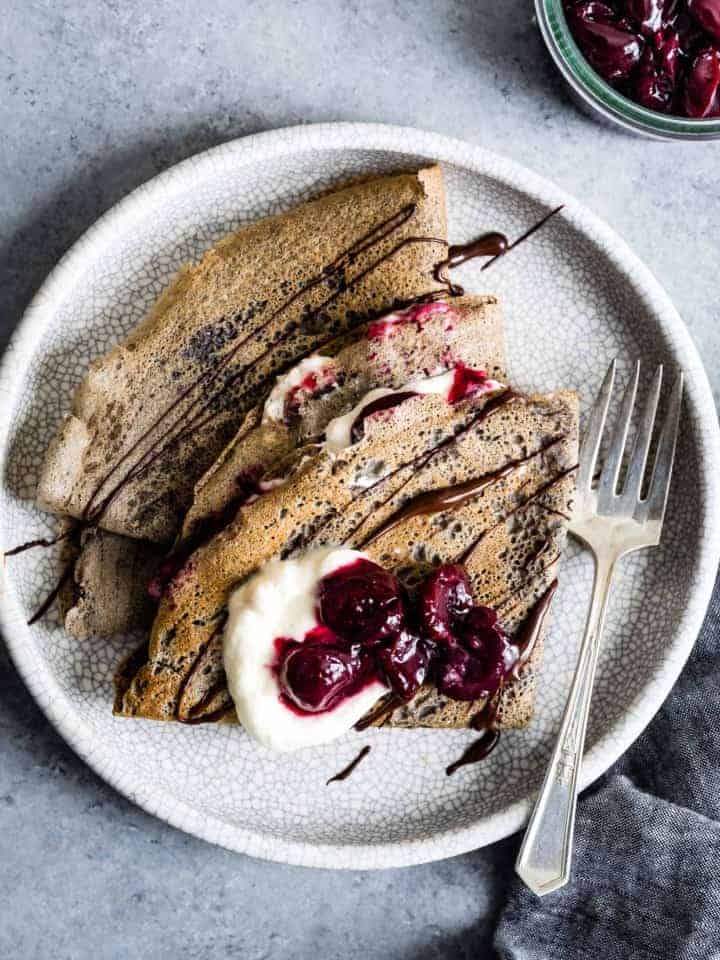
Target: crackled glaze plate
<point>574,297</point>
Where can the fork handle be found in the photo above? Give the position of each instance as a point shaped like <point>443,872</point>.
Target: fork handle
<point>546,853</point>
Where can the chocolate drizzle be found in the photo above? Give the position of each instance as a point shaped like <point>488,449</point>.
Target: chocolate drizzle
<point>197,714</point>
<point>193,714</point>
<point>346,771</point>
<point>491,407</point>
<point>390,400</point>
<point>486,720</point>
<point>450,498</point>
<point>193,414</point>
<point>525,236</point>
<point>188,414</point>
<point>333,275</point>
<point>127,670</point>
<point>488,245</point>
<point>468,552</point>
<point>492,244</point>
<point>42,542</point>
<point>477,751</point>
<point>66,574</point>
<point>53,595</point>
<point>422,459</point>
<point>420,462</point>
<point>541,551</point>
<point>436,501</point>
<point>532,628</point>
<point>379,713</point>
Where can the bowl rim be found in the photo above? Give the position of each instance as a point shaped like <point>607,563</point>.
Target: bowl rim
<point>600,96</point>
<point>441,149</point>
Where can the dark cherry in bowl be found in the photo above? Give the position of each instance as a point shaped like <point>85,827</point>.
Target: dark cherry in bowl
<point>662,54</point>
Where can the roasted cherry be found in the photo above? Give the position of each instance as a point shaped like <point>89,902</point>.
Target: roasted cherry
<point>474,629</point>
<point>612,51</point>
<point>661,53</point>
<point>707,15</point>
<point>690,36</point>
<point>480,633</point>
<point>370,629</point>
<point>314,677</point>
<point>472,676</point>
<point>362,603</point>
<point>404,663</point>
<point>473,653</point>
<point>701,84</point>
<point>322,634</point>
<point>417,314</point>
<point>445,598</point>
<point>466,381</point>
<point>592,10</point>
<point>647,13</point>
<point>654,86</point>
<point>668,52</point>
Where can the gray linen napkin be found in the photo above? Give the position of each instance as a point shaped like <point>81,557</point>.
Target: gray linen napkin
<point>646,878</point>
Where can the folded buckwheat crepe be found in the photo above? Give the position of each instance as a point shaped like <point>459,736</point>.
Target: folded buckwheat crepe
<point>109,589</point>
<point>152,415</point>
<point>507,462</point>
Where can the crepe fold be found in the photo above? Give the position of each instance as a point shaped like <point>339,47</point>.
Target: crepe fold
<point>107,593</point>
<point>514,459</point>
<point>151,416</point>
<point>400,347</point>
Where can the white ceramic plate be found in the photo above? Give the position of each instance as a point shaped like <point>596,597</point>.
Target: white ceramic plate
<point>574,297</point>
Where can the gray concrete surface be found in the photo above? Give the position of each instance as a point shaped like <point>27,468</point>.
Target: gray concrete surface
<point>98,96</point>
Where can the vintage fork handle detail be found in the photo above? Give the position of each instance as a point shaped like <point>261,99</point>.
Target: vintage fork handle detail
<point>546,852</point>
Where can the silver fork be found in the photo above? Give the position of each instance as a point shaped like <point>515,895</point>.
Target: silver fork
<point>612,524</point>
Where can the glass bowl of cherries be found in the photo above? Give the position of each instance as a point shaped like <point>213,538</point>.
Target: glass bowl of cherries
<point>652,66</point>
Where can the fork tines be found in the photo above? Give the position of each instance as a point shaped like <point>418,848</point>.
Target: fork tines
<point>627,498</point>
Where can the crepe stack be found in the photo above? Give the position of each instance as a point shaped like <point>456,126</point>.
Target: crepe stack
<point>289,291</point>
<point>152,415</point>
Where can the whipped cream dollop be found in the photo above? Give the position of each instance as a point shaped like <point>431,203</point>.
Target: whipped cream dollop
<point>281,601</point>
<point>308,375</point>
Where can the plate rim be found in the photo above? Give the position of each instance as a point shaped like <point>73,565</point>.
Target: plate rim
<point>371,137</point>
